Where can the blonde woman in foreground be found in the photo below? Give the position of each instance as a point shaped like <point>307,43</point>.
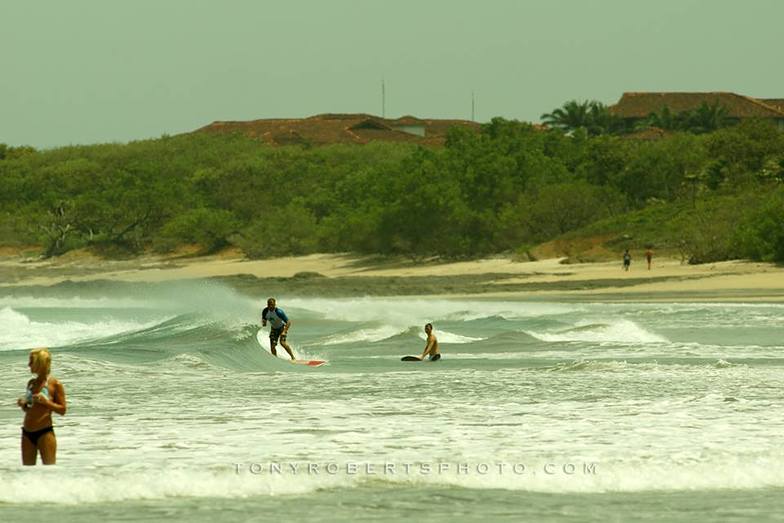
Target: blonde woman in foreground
<point>44,395</point>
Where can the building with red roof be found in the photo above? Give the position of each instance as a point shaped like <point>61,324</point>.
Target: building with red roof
<point>327,129</point>
<point>633,107</point>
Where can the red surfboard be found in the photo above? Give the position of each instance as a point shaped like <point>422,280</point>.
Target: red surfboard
<point>309,363</point>
<point>264,342</point>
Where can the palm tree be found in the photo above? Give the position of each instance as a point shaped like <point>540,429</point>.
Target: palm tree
<point>591,115</point>
<point>707,118</point>
<point>570,117</point>
<point>664,119</point>
<point>602,121</point>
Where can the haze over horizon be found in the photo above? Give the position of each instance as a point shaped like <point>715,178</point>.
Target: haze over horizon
<point>90,71</point>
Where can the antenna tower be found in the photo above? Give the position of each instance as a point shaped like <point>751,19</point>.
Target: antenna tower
<point>383,99</point>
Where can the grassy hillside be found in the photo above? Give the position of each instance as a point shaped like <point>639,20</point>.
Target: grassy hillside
<point>508,188</point>
<point>714,227</point>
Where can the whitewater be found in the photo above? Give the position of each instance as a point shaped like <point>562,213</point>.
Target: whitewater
<point>540,410</point>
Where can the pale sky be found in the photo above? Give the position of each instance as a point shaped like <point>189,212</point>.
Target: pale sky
<point>91,71</point>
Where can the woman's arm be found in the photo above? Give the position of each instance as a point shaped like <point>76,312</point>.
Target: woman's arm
<point>57,403</point>
<point>22,402</point>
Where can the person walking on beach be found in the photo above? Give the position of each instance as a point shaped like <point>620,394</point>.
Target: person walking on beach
<point>431,347</point>
<point>649,257</point>
<point>279,326</point>
<point>627,260</point>
<point>44,395</point>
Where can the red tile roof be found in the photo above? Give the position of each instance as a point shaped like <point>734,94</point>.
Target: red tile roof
<point>641,105</point>
<point>325,129</point>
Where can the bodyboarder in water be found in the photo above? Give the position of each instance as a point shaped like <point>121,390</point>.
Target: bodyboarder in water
<point>431,348</point>
<point>279,326</point>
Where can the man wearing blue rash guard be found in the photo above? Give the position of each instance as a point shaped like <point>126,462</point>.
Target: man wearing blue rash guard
<point>279,326</point>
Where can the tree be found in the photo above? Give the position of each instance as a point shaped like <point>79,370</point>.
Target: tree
<point>554,210</point>
<point>601,121</point>
<point>760,236</point>
<point>745,150</point>
<point>664,119</point>
<point>592,116</point>
<point>57,227</point>
<point>706,118</point>
<point>210,228</point>
<point>570,117</point>
<point>289,230</point>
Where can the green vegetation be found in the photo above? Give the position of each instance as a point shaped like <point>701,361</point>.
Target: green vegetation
<point>592,116</point>
<point>595,118</point>
<point>704,119</point>
<point>710,195</point>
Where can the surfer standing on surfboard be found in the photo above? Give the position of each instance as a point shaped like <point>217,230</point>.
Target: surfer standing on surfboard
<point>431,349</point>
<point>279,326</point>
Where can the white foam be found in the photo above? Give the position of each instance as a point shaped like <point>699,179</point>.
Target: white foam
<point>262,337</point>
<point>69,303</point>
<point>70,487</point>
<point>363,335</point>
<point>587,476</point>
<point>617,366</point>
<point>17,331</point>
<point>451,337</point>
<point>514,311</point>
<point>65,485</point>
<point>398,315</point>
<point>388,331</point>
<point>408,312</point>
<point>621,331</point>
<point>463,356</point>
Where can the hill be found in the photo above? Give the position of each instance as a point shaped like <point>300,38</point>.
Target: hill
<point>506,187</point>
<point>330,129</point>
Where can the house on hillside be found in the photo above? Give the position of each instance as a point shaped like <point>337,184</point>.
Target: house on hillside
<point>410,125</point>
<point>327,129</point>
<point>634,107</point>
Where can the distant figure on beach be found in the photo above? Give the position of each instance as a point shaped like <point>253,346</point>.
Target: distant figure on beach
<point>627,260</point>
<point>431,347</point>
<point>279,326</point>
<point>44,395</point>
<point>649,257</point>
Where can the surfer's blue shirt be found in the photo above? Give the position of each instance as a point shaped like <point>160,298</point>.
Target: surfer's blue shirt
<point>276,317</point>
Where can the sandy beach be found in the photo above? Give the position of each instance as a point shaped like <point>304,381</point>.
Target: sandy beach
<point>501,276</point>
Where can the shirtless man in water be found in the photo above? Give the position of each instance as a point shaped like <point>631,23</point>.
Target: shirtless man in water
<point>431,349</point>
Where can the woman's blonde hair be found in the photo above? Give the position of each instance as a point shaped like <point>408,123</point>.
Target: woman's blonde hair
<point>40,359</point>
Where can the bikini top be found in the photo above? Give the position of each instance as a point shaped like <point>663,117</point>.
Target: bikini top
<point>29,392</point>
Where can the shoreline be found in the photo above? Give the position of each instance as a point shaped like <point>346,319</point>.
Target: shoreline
<point>340,275</point>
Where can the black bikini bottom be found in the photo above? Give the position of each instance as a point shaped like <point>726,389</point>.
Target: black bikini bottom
<point>34,435</point>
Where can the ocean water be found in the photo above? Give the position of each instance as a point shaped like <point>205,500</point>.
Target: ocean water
<point>538,411</point>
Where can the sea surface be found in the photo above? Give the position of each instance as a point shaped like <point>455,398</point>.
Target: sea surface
<point>538,411</point>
